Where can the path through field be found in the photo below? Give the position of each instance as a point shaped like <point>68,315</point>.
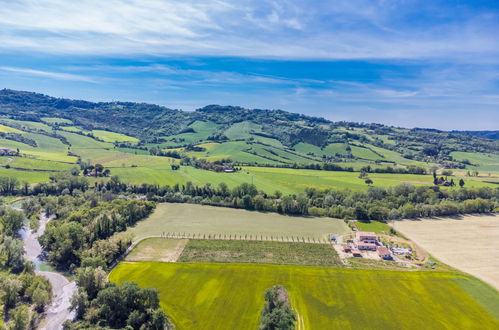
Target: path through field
<point>62,289</point>
<point>469,243</point>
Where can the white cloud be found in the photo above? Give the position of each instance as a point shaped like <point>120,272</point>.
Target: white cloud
<point>281,29</point>
<point>48,74</point>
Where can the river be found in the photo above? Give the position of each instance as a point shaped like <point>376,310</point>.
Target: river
<point>62,289</point>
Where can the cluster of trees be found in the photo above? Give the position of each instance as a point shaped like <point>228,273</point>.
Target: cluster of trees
<point>23,294</point>
<point>88,229</point>
<point>156,151</point>
<point>277,313</point>
<point>96,170</point>
<point>99,303</point>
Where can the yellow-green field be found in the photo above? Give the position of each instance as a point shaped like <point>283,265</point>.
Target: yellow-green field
<point>209,220</point>
<point>230,296</point>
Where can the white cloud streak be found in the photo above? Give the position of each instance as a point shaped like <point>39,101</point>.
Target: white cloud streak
<point>344,29</point>
<point>48,74</point>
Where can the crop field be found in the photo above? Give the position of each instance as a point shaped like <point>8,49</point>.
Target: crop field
<point>7,129</point>
<point>259,252</point>
<point>209,220</point>
<point>113,137</point>
<point>468,243</point>
<point>230,296</point>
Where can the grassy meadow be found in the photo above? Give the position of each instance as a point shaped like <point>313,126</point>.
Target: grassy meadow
<point>230,296</point>
<point>210,220</point>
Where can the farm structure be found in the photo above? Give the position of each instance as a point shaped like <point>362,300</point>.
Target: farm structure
<point>365,240</point>
<point>384,253</point>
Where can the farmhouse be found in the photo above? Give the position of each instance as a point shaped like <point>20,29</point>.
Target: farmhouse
<point>365,240</point>
<point>7,152</point>
<point>366,237</point>
<point>384,253</point>
<point>366,246</point>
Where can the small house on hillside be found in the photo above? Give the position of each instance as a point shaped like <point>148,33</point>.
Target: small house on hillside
<point>8,152</point>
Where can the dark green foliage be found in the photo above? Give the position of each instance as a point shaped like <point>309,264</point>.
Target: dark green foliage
<point>107,305</point>
<point>119,306</point>
<point>84,228</point>
<point>277,313</point>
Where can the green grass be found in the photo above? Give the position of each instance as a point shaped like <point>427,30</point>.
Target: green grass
<point>200,219</point>
<point>26,176</point>
<point>35,164</point>
<point>242,130</point>
<point>113,137</point>
<point>365,153</point>
<point>485,162</point>
<point>261,252</point>
<point>48,148</point>
<point>288,181</point>
<point>202,130</point>
<point>230,296</point>
<point>374,226</point>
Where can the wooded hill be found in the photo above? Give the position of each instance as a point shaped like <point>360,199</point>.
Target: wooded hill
<point>276,136</point>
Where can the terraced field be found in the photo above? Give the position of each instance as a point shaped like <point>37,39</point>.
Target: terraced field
<point>230,296</point>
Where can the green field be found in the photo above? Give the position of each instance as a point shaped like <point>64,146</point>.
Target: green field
<point>113,137</point>
<point>261,252</point>
<point>374,226</point>
<point>485,162</point>
<point>230,296</point>
<point>199,219</point>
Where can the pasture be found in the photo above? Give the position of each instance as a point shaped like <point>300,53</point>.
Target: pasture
<point>230,296</point>
<point>210,220</point>
<point>468,243</point>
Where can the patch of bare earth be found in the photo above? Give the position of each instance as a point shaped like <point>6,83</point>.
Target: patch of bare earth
<point>469,243</point>
<point>162,250</point>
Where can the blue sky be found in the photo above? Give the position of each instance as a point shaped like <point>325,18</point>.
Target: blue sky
<point>406,63</point>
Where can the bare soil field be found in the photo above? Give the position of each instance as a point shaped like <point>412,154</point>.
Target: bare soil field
<point>469,243</point>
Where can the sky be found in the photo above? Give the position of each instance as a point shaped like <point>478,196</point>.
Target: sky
<point>398,62</point>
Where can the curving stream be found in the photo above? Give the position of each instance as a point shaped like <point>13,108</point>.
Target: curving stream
<point>62,289</point>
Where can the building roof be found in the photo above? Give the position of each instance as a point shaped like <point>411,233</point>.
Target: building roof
<point>365,234</point>
<point>383,250</point>
<point>366,244</point>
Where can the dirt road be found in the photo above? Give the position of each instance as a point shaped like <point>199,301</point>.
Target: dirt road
<point>62,289</point>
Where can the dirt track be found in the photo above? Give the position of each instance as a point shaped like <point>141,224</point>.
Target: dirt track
<point>469,243</point>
